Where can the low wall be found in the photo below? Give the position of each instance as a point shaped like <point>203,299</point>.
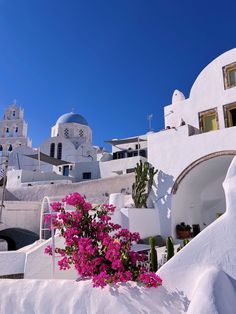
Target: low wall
<point>142,220</point>
<point>12,262</point>
<point>38,265</point>
<point>25,215</point>
<point>99,189</point>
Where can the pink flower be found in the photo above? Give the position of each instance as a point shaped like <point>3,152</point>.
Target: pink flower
<point>117,265</point>
<point>56,206</point>
<point>48,250</point>
<point>97,247</point>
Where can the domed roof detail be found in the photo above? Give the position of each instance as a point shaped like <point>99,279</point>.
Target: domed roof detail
<point>72,117</point>
<point>177,96</point>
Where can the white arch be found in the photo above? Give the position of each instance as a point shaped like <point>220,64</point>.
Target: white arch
<point>46,201</point>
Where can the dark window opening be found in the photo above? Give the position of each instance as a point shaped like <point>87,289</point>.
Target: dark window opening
<point>137,146</point>
<point>130,170</point>
<point>230,115</point>
<point>10,148</point>
<point>233,116</point>
<point>120,155</point>
<point>59,150</point>
<point>143,153</point>
<point>52,150</point>
<point>86,175</point>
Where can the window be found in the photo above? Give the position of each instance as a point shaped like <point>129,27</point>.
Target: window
<point>59,150</point>
<point>15,133</point>
<point>208,120</point>
<point>137,146</point>
<point>86,175</point>
<point>13,114</point>
<point>81,133</point>
<point>130,170</point>
<point>230,75</point>
<point>1,150</point>
<point>143,153</point>
<point>230,115</point>
<point>52,150</point>
<point>119,155</point>
<point>66,133</point>
<point>10,148</point>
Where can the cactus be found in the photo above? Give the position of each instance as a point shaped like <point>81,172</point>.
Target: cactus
<point>142,186</point>
<point>185,241</point>
<point>153,255</point>
<point>170,247</point>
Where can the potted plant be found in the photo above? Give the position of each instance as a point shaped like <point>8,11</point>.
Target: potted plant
<point>183,231</point>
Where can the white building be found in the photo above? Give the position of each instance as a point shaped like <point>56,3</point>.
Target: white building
<point>194,151</point>
<point>69,155</point>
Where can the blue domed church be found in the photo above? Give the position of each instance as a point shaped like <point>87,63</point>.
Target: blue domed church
<point>67,156</point>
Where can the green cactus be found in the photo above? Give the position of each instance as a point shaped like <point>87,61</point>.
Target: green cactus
<point>144,175</point>
<point>170,247</point>
<point>153,255</point>
<point>185,241</point>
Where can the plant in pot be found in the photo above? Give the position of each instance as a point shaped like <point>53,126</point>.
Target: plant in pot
<point>141,188</point>
<point>183,231</point>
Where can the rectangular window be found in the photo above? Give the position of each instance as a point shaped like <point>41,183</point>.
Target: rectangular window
<point>130,170</point>
<point>230,115</point>
<point>208,120</point>
<point>86,175</point>
<point>120,155</point>
<point>229,72</point>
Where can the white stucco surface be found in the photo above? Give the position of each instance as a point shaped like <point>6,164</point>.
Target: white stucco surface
<point>204,271</point>
<point>67,296</point>
<point>201,278</point>
<point>39,265</point>
<point>142,220</point>
<point>117,167</point>
<point>12,262</point>
<point>21,215</point>
<point>94,190</point>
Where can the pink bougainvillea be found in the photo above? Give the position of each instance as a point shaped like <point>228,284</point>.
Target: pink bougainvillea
<point>97,247</point>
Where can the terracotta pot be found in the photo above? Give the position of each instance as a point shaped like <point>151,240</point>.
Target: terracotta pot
<point>183,234</point>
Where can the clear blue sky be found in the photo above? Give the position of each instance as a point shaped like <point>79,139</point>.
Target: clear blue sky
<point>113,61</point>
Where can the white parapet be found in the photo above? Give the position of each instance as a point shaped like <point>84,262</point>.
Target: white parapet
<point>142,220</point>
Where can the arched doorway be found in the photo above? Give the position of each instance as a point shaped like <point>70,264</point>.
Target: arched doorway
<point>17,238</point>
<point>197,195</point>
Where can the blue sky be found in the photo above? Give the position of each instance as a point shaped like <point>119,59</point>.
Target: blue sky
<point>113,61</point>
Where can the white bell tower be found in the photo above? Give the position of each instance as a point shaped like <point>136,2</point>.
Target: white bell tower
<point>13,130</point>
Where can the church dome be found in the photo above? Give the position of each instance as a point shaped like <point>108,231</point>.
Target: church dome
<point>72,117</point>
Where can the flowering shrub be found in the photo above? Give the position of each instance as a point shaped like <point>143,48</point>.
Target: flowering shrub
<point>97,247</point>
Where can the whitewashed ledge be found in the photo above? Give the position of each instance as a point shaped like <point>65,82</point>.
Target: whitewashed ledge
<point>70,297</point>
